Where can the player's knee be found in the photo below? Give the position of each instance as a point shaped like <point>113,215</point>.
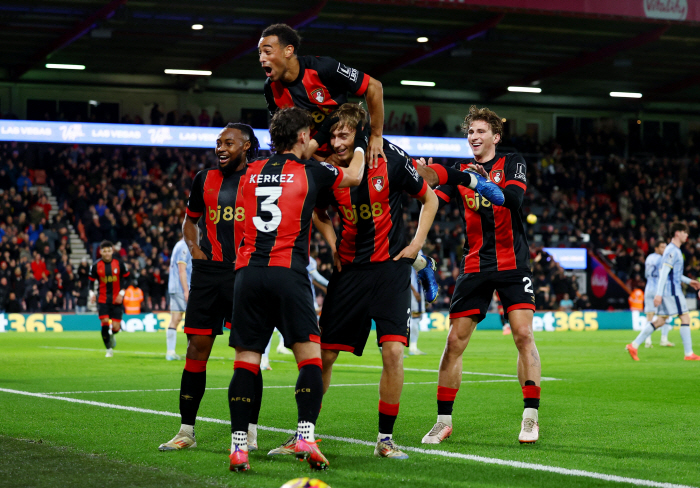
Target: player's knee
<point>523,340</point>
<point>328,357</point>
<point>199,347</point>
<point>392,355</point>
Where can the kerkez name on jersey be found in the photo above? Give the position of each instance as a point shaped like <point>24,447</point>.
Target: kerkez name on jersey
<point>283,178</point>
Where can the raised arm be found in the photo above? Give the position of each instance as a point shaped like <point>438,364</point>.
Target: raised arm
<point>375,104</point>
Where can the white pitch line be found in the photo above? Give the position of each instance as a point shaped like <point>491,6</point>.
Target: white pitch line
<point>265,387</point>
<point>368,366</point>
<point>433,452</point>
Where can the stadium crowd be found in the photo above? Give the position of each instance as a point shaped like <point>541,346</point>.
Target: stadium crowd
<point>134,197</point>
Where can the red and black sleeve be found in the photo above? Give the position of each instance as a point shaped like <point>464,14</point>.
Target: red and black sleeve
<point>451,175</point>
<point>444,194</point>
<point>195,204</point>
<point>123,275</point>
<point>336,75</point>
<point>325,174</point>
<point>411,181</point>
<point>516,181</point>
<point>93,273</point>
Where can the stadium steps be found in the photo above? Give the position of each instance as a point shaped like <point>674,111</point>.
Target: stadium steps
<point>78,250</point>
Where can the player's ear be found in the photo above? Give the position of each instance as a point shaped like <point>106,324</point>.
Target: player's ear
<point>497,138</point>
<point>289,51</point>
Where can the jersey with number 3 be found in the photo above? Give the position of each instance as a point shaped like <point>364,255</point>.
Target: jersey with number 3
<point>495,236</point>
<point>279,195</point>
<point>371,214</point>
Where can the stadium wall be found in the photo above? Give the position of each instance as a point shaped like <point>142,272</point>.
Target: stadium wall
<point>231,96</point>
<point>154,322</point>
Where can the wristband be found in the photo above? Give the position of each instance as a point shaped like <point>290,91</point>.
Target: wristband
<point>473,183</point>
<point>360,149</point>
<point>122,293</point>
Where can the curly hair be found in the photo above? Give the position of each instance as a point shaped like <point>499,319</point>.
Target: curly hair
<point>285,35</point>
<point>488,116</point>
<point>252,151</point>
<point>285,127</point>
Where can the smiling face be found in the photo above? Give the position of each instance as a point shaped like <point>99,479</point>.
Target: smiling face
<point>343,141</point>
<point>231,146</point>
<point>482,140</point>
<point>273,57</point>
<point>106,253</point>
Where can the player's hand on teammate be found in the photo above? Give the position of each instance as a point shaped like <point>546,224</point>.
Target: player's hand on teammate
<point>657,300</point>
<point>422,162</point>
<point>478,169</point>
<point>323,134</point>
<point>410,251</point>
<point>198,254</point>
<point>376,149</point>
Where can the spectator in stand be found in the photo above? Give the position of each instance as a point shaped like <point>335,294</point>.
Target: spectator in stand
<point>12,305</point>
<point>204,119</point>
<point>156,115</point>
<point>217,120</point>
<point>4,293</point>
<point>39,267</point>
<point>33,299</point>
<point>23,181</point>
<point>583,303</point>
<point>49,304</point>
<point>566,304</point>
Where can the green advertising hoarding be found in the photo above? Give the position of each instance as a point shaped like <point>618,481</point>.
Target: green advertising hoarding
<point>582,321</point>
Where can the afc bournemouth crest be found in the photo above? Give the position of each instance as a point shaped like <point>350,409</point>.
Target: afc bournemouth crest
<point>318,95</point>
<point>496,176</point>
<point>378,183</point>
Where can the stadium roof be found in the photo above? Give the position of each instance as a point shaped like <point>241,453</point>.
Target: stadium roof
<point>573,48</point>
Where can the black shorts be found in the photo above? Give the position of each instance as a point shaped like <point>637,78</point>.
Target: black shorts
<point>109,310</point>
<point>265,298</point>
<point>211,297</point>
<point>474,291</point>
<point>358,294</point>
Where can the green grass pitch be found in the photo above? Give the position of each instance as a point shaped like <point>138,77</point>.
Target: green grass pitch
<point>621,422</point>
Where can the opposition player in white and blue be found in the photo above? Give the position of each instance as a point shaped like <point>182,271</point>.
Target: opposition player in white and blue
<point>417,311</point>
<point>669,298</point>
<point>179,293</point>
<point>651,274</point>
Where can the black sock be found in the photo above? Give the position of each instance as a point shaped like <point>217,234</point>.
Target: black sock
<point>309,391</point>
<point>445,408</point>
<point>257,401</point>
<point>192,387</point>
<point>386,423</point>
<point>105,335</point>
<point>241,394</point>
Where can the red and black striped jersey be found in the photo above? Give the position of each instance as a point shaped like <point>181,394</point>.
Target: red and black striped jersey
<point>215,198</point>
<point>279,195</point>
<point>110,276</point>
<point>495,236</point>
<point>322,86</point>
<point>371,214</point>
